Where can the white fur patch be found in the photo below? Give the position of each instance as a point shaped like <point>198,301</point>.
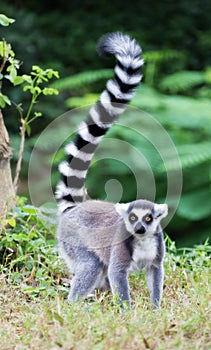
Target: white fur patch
<point>76,191</point>
<point>128,61</point>
<point>65,169</point>
<point>145,251</point>
<point>125,60</point>
<point>137,63</point>
<point>84,133</point>
<point>122,208</point>
<point>81,174</point>
<point>139,212</point>
<point>113,110</point>
<point>114,88</point>
<point>126,78</point>
<point>63,204</point>
<point>63,190</point>
<point>71,149</point>
<point>161,210</point>
<point>96,118</point>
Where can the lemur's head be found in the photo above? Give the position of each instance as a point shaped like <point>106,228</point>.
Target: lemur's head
<point>142,217</point>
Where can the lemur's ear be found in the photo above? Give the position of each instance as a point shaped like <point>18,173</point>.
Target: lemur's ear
<point>122,208</point>
<point>161,210</point>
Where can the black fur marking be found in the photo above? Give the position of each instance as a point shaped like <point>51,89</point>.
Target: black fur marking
<point>64,179</point>
<point>84,145</point>
<point>70,157</point>
<point>94,129</point>
<point>117,100</point>
<point>138,55</point>
<point>123,86</point>
<point>68,209</point>
<point>73,199</point>
<point>121,65</point>
<point>130,70</point>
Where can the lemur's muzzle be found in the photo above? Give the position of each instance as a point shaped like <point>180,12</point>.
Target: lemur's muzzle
<point>139,228</point>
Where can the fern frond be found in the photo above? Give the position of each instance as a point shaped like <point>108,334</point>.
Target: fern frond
<point>196,205</point>
<point>81,79</point>
<point>182,81</point>
<point>161,56</point>
<point>190,156</point>
<point>88,99</point>
<point>175,111</point>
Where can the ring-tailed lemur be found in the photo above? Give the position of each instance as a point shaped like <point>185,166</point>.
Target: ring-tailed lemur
<point>102,242</point>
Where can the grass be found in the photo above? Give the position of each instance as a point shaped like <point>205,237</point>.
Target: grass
<point>35,314</point>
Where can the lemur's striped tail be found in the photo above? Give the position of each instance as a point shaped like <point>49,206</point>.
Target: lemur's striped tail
<point>112,102</point>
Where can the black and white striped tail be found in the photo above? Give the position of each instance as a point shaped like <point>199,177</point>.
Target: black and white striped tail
<point>112,102</point>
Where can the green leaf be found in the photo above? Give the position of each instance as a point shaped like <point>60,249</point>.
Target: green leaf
<point>26,87</point>
<point>4,100</point>
<point>37,114</point>
<point>37,90</point>
<point>36,69</point>
<point>28,129</point>
<point>27,78</point>
<point>13,73</point>
<point>5,50</point>
<point>29,209</point>
<point>50,91</point>
<point>12,222</point>
<point>56,74</point>
<point>18,80</point>
<point>6,21</point>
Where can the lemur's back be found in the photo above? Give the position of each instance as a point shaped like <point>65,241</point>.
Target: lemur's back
<point>93,224</point>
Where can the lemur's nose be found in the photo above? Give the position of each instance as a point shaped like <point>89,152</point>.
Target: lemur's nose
<point>139,228</point>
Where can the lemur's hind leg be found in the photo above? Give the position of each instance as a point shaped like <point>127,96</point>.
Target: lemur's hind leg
<point>86,276</point>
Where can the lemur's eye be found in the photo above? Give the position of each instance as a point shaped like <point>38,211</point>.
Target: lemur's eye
<point>133,218</point>
<point>148,219</point>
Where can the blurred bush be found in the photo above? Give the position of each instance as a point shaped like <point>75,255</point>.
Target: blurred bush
<point>175,38</point>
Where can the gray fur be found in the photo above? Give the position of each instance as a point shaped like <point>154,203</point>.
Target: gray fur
<point>98,240</point>
<point>98,244</point>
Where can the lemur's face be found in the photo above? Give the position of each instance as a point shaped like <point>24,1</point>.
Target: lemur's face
<point>142,217</point>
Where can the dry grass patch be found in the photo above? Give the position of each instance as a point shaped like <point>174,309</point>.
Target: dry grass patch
<point>183,322</point>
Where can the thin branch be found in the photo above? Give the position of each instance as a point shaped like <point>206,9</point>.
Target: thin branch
<point>20,156</point>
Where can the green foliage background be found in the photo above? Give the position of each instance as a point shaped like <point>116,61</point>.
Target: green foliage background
<point>175,38</point>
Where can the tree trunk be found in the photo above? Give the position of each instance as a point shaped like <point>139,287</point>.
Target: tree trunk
<point>7,194</point>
